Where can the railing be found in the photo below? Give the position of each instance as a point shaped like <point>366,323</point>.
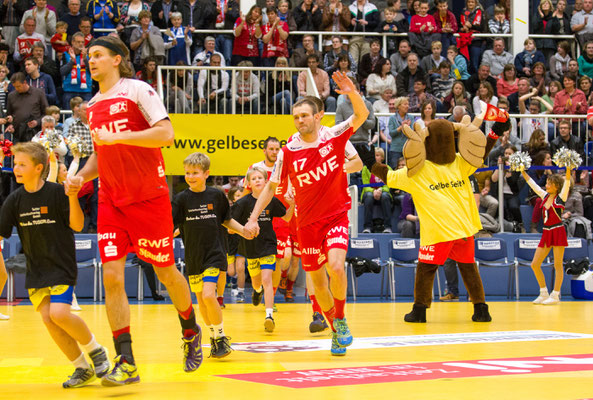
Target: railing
<point>321,34</point>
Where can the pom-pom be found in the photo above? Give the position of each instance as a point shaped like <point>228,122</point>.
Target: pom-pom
<point>6,145</point>
<point>78,147</point>
<point>51,139</point>
<point>567,158</point>
<point>520,161</point>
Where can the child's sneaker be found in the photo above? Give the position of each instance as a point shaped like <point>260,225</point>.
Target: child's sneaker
<point>269,324</point>
<point>80,378</point>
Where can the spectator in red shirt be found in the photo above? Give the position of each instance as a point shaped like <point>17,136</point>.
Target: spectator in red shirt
<point>423,30</point>
<point>275,33</point>
<point>247,31</point>
<point>446,24</point>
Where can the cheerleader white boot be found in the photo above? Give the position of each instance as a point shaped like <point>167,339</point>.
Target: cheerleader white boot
<point>543,296</point>
<point>553,299</point>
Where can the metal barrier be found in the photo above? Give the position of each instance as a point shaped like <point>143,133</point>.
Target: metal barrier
<point>183,100</point>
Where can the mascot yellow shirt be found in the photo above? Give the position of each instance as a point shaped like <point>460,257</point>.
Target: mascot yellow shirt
<point>443,198</point>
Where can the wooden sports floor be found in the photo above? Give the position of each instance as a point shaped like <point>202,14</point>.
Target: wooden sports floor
<point>527,352</point>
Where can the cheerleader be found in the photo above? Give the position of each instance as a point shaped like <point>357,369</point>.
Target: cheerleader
<point>554,234</point>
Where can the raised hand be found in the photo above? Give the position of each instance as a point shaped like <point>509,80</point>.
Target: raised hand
<point>345,85</point>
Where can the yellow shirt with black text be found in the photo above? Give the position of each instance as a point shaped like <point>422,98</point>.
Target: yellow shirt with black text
<point>443,198</point>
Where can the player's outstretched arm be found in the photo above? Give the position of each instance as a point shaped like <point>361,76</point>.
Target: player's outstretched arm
<point>235,227</point>
<point>346,86</point>
<point>76,214</point>
<point>159,135</point>
<point>252,227</point>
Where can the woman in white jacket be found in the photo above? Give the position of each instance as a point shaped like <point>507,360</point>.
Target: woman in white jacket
<point>379,80</point>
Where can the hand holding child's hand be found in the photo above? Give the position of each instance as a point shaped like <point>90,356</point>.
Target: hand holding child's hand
<point>73,185</point>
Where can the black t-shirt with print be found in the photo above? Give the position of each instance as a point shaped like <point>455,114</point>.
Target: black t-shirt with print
<point>42,220</point>
<point>199,216</point>
<point>265,243</point>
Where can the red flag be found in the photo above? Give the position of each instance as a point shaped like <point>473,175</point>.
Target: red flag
<point>494,113</point>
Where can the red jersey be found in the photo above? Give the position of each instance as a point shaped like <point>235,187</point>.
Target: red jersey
<point>418,21</point>
<point>316,171</point>
<point>25,44</point>
<point>128,174</point>
<point>246,43</point>
<point>276,47</point>
<point>59,37</point>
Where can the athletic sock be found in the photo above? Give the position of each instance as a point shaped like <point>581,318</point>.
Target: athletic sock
<point>269,312</point>
<point>289,284</point>
<point>258,290</point>
<point>241,290</point>
<point>315,304</point>
<point>187,318</point>
<point>81,362</point>
<point>339,306</point>
<point>211,329</point>
<point>555,293</point>
<point>275,289</point>
<point>330,315</point>
<point>284,273</point>
<point>218,330</point>
<point>91,346</point>
<point>220,300</point>
<point>543,291</point>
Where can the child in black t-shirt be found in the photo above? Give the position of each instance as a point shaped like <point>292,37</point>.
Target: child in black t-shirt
<point>261,251</point>
<point>235,260</point>
<point>45,217</point>
<point>200,212</point>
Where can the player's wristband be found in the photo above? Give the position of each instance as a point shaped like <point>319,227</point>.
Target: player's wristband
<point>492,135</point>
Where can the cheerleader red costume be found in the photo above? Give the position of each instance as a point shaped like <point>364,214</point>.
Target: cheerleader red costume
<point>554,233</point>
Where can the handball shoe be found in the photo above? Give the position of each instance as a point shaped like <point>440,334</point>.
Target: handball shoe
<point>318,324</point>
<point>192,352</point>
<point>343,335</point>
<point>80,378</point>
<point>100,361</point>
<point>336,349</point>
<point>121,374</point>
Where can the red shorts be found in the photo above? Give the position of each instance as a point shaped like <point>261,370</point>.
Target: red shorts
<point>460,250</point>
<point>282,240</point>
<point>145,228</point>
<point>317,238</point>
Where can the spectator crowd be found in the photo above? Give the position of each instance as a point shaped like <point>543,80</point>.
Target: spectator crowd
<point>433,63</point>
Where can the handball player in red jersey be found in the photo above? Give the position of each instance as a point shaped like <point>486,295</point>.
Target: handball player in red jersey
<point>129,124</point>
<point>314,163</point>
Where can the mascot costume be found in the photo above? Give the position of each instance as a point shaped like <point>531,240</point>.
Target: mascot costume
<point>437,178</point>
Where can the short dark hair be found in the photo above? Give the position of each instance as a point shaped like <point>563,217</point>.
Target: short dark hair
<point>571,76</point>
<point>313,57</point>
<point>271,10</point>
<point>18,77</point>
<point>270,139</point>
<point>375,40</point>
<point>4,47</point>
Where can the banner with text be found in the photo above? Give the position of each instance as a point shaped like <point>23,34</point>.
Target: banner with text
<point>233,142</point>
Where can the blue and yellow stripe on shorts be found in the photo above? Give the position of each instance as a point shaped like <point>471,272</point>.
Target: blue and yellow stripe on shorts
<point>196,282</point>
<point>255,265</point>
<point>57,293</point>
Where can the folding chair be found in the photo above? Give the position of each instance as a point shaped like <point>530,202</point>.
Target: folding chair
<point>364,248</point>
<point>492,253</point>
<point>524,251</point>
<point>87,257</point>
<point>402,253</point>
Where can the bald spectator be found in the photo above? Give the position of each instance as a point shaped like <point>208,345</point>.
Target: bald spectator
<point>483,75</point>
<point>404,81</point>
